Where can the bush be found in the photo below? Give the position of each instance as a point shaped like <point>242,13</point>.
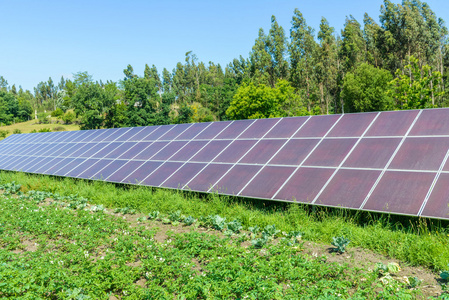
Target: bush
<point>44,130</point>
<point>58,128</point>
<point>68,117</point>
<point>3,133</point>
<point>57,113</point>
<point>43,118</point>
<point>16,131</point>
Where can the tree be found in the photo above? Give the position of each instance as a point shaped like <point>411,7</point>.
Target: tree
<point>260,101</point>
<point>366,89</point>
<point>416,90</point>
<point>327,64</point>
<point>352,50</point>
<point>302,50</point>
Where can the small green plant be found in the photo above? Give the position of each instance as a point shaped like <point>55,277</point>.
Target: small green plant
<point>234,226</point>
<point>218,222</point>
<point>154,215</point>
<point>17,131</point>
<point>270,231</point>
<point>389,268</point>
<point>340,243</point>
<point>259,242</point>
<point>125,211</point>
<point>175,216</point>
<point>189,220</point>
<point>414,282</point>
<point>58,128</point>
<point>444,275</point>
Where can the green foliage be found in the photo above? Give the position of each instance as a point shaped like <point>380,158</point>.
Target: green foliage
<point>260,101</point>
<point>367,89</point>
<point>3,133</point>
<point>69,117</point>
<point>43,118</point>
<point>416,87</point>
<point>57,113</point>
<point>17,131</point>
<point>340,243</point>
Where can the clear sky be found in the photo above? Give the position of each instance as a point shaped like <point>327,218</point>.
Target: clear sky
<point>42,39</point>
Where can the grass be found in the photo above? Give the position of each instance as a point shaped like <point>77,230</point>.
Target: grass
<point>27,127</point>
<point>55,247</point>
<point>417,241</point>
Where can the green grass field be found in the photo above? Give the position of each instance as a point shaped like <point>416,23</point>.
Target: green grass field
<point>74,249</point>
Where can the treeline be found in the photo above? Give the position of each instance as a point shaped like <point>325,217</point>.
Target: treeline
<point>400,62</point>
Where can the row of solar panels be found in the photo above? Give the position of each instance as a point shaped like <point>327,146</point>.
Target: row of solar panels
<point>390,161</point>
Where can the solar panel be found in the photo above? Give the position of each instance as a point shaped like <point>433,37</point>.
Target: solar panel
<point>395,161</point>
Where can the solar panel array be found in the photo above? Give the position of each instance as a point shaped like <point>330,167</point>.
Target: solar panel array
<point>387,161</point>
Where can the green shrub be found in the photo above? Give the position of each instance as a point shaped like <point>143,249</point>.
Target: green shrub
<point>17,131</point>
<point>57,113</point>
<point>44,130</point>
<point>58,128</point>
<point>43,118</point>
<point>69,117</point>
<point>3,133</point>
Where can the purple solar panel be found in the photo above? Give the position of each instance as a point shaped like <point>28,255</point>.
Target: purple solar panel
<point>262,151</point>
<point>437,205</point>
<point>235,129</point>
<point>235,151</point>
<point>211,150</point>
<point>392,123</point>
<point>235,179</point>
<point>318,126</point>
<point>432,122</point>
<point>400,192</point>
<point>345,127</point>
<point>213,130</point>
<point>180,177</point>
<point>259,129</point>
<point>425,153</point>
<point>267,182</point>
<point>188,151</point>
<point>330,152</point>
<point>385,162</point>
<point>161,173</point>
<point>304,185</point>
<point>294,152</point>
<point>286,127</point>
<point>348,188</point>
<point>207,177</point>
<point>135,171</point>
<point>372,153</point>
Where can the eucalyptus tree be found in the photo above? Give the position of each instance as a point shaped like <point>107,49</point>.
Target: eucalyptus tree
<point>302,51</point>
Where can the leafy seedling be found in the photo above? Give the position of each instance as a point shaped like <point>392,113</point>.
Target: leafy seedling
<point>153,215</point>
<point>340,243</point>
<point>189,220</point>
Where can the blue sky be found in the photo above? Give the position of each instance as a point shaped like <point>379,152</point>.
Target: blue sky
<point>42,39</point>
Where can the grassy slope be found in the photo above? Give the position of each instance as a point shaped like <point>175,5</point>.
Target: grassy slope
<point>409,239</point>
<point>27,127</point>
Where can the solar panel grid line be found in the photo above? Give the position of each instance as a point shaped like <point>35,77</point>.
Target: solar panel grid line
<point>55,157</point>
<point>245,153</point>
<point>112,160</point>
<point>118,157</point>
<point>272,157</point>
<point>224,149</point>
<point>109,143</point>
<point>305,158</point>
<point>158,167</point>
<point>82,140</point>
<point>435,180</point>
<point>192,156</point>
<point>35,161</point>
<point>344,159</point>
<point>389,161</point>
<point>93,145</point>
<point>123,180</point>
